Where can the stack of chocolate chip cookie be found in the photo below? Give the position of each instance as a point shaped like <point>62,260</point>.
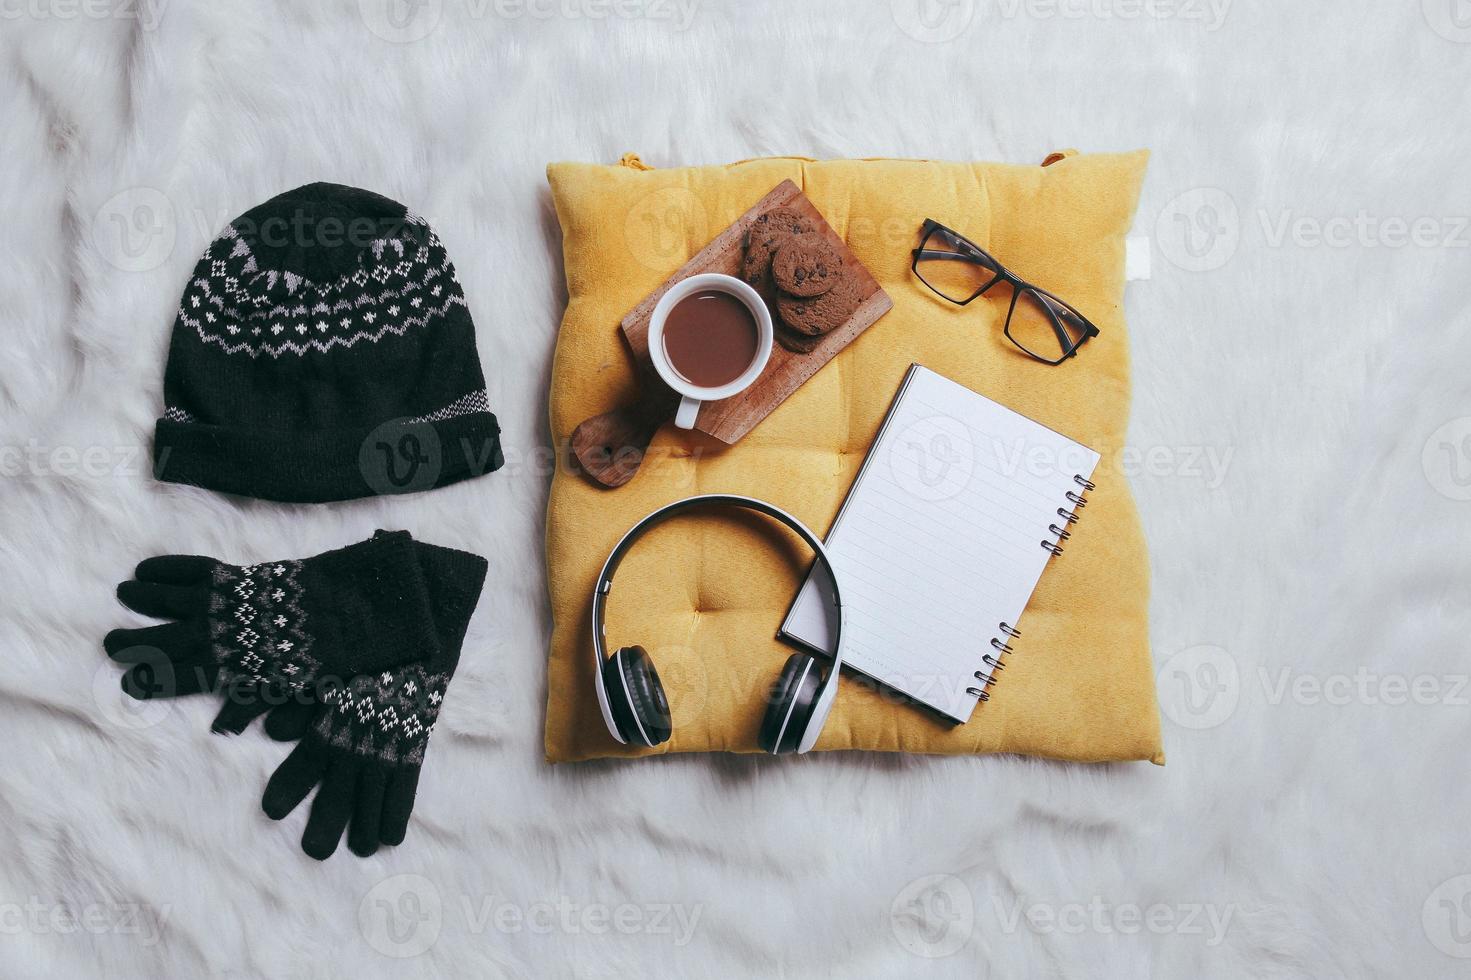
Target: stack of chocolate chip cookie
<point>801,276</point>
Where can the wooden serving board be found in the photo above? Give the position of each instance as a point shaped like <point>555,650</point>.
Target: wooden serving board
<point>731,418</point>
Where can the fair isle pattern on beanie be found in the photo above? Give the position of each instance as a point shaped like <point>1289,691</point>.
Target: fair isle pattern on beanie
<point>475,401</point>
<point>408,283</point>
<point>311,333</point>
<point>388,716</point>
<point>257,625</point>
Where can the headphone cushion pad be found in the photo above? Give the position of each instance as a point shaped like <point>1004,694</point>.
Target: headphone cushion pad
<point>647,700</point>
<point>618,704</point>
<point>799,682</point>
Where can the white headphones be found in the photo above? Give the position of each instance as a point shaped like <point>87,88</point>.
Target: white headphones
<point>632,698</point>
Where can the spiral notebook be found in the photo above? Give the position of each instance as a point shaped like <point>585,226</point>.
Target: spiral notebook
<point>951,522</point>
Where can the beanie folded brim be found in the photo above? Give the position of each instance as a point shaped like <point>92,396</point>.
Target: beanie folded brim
<point>399,456</point>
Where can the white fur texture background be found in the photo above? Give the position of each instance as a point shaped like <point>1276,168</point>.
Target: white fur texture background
<point>1301,453</point>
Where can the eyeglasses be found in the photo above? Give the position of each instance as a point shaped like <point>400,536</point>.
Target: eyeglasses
<point>1040,324</point>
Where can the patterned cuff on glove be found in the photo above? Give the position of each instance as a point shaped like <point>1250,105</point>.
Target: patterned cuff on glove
<point>356,610</point>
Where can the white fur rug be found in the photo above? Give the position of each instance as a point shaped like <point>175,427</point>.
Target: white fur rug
<point>1301,456</point>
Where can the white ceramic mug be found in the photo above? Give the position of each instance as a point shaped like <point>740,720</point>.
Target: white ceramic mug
<point>692,396</point>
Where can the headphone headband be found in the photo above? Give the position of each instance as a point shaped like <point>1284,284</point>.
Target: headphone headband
<point>605,585</point>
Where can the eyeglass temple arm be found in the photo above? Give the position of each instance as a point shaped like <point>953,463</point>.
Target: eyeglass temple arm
<point>931,226</point>
<point>1063,338</point>
<point>930,253</point>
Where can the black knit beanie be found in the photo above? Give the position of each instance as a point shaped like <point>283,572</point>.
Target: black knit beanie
<point>323,351</point>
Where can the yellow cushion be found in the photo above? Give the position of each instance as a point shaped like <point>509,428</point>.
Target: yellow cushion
<point>706,594</point>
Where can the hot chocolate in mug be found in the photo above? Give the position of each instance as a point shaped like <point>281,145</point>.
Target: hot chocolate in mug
<point>710,337</point>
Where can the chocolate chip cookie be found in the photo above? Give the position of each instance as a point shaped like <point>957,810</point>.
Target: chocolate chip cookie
<point>797,343</point>
<point>806,266</point>
<point>767,233</point>
<point>816,315</point>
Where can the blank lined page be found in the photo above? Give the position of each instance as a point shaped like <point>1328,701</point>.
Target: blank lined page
<point>941,540</point>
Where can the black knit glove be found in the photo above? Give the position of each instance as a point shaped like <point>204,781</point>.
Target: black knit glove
<point>272,634</point>
<point>366,744</point>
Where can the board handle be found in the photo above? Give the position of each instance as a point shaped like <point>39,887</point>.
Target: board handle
<point>611,446</point>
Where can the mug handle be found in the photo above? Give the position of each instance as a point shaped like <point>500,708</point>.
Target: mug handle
<point>688,409</point>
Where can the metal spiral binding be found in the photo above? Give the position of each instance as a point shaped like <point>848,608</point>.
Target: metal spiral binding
<point>981,693</point>
<point>1069,517</point>
<point>1061,532</point>
<point>989,679</point>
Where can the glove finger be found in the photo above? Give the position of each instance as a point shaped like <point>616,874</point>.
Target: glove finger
<point>294,779</point>
<point>331,809</point>
<point>238,711</point>
<point>176,569</point>
<point>289,721</point>
<point>398,804</point>
<point>183,642</point>
<point>164,601</point>
<point>164,678</point>
<point>367,813</point>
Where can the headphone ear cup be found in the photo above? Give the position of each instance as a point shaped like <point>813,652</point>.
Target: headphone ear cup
<point>618,705</point>
<point>789,708</point>
<point>636,697</point>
